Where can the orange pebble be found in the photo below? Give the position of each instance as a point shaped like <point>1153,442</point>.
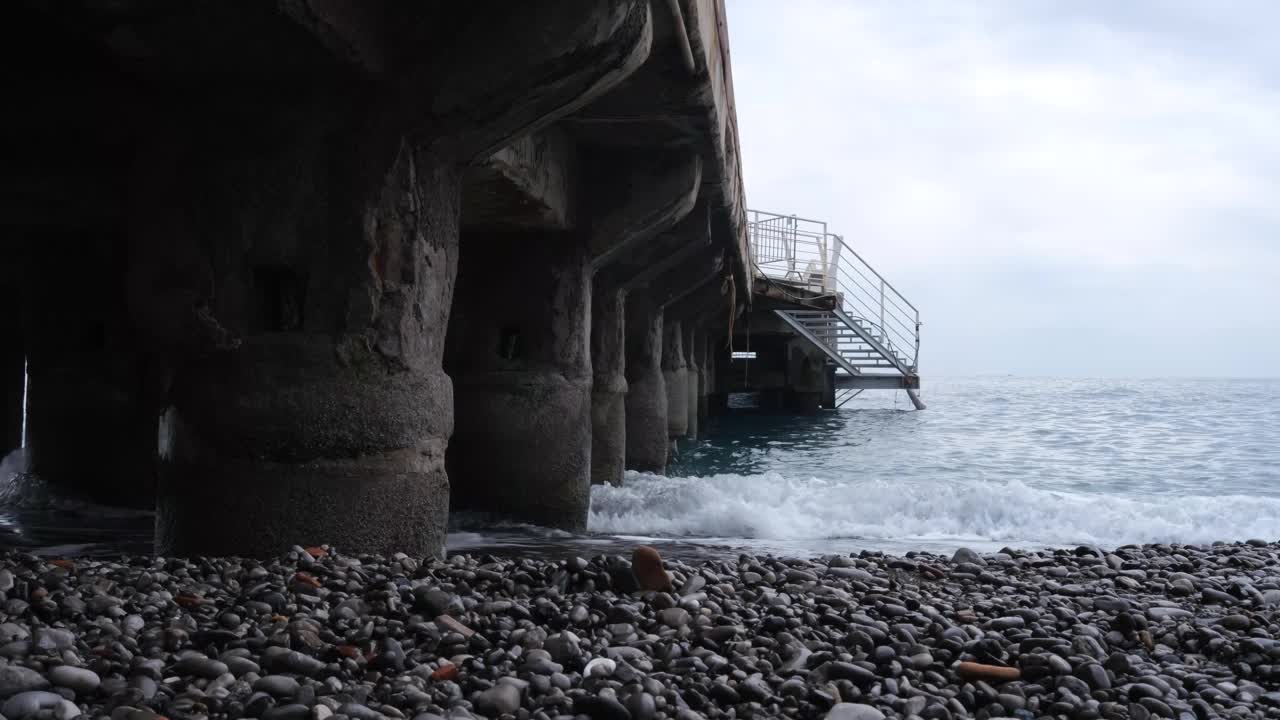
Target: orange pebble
<point>646,565</point>
<point>306,579</point>
<point>978,671</point>
<point>445,672</point>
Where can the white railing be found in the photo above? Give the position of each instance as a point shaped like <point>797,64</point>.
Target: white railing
<point>802,253</point>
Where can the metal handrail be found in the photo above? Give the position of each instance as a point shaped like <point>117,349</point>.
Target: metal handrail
<point>803,253</point>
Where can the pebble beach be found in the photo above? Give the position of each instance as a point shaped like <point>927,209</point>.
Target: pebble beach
<point>1154,631</point>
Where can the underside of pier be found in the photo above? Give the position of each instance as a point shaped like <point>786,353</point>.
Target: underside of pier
<point>311,272</point>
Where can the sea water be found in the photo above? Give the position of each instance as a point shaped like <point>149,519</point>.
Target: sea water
<point>993,462</point>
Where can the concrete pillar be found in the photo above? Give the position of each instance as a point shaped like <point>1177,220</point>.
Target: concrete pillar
<point>829,388</point>
<point>518,352</point>
<point>297,263</point>
<point>717,398</point>
<point>88,428</point>
<point>806,377</point>
<point>675,375</point>
<point>646,389</point>
<point>691,339</point>
<point>609,386</point>
<point>312,406</point>
<point>705,377</point>
<point>12,357</point>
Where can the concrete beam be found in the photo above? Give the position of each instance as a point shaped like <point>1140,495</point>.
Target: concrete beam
<point>581,49</point>
<point>702,269</point>
<point>357,33</point>
<point>706,304</point>
<point>653,259</point>
<point>527,185</point>
<point>642,195</point>
<point>659,104</point>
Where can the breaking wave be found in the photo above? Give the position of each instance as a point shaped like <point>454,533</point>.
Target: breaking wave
<point>771,506</point>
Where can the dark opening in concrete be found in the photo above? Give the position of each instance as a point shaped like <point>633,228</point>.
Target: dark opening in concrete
<point>510,346</point>
<point>281,294</point>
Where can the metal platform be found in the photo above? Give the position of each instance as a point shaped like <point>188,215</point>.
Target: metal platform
<point>871,333</point>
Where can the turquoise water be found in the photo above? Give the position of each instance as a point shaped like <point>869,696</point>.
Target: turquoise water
<point>993,462</point>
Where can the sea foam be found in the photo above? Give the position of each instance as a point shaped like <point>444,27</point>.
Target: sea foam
<point>771,506</point>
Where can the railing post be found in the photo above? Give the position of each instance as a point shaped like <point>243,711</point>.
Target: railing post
<point>882,326</point>
<point>833,273</point>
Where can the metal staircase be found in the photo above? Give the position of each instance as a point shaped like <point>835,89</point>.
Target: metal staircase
<point>865,327</point>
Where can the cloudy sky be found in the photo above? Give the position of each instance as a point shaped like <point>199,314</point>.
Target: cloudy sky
<point>1073,187</point>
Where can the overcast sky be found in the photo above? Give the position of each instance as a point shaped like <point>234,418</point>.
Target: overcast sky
<point>1084,187</point>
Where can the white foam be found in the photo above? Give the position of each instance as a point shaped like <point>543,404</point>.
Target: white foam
<point>773,507</point>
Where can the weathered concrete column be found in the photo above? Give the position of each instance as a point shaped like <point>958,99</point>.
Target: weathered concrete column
<point>646,389</point>
<point>12,359</point>
<point>88,429</point>
<point>691,339</point>
<point>320,412</point>
<point>296,255</point>
<point>609,387</point>
<point>705,376</point>
<point>717,363</point>
<point>806,377</point>
<point>675,375</point>
<point>829,388</point>
<point>519,357</point>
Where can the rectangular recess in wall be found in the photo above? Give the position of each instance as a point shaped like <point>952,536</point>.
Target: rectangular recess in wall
<point>281,295</point>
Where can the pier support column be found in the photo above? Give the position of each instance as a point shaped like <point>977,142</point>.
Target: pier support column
<point>519,357</point>
<point>646,389</point>
<point>806,377</point>
<point>12,359</point>
<point>829,388</point>
<point>717,360</point>
<point>296,241</point>
<point>691,339</point>
<point>609,386</point>
<point>675,375</point>
<point>88,430</point>
<point>705,375</point>
<point>309,405</point>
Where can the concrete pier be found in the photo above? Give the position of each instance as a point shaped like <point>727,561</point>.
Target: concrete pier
<point>609,385</point>
<point>647,437</point>
<point>321,410</point>
<point>675,376</point>
<point>330,418</point>
<point>521,367</point>
<point>692,377</point>
<point>367,272</point>
<point>705,354</point>
<point>12,361</point>
<point>89,428</point>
